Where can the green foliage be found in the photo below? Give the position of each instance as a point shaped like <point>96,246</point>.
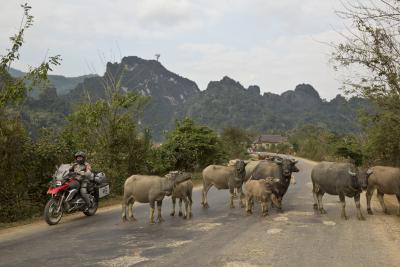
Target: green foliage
<point>24,164</point>
<point>371,53</point>
<point>318,143</point>
<point>106,130</point>
<point>383,138</point>
<point>191,147</point>
<point>236,141</point>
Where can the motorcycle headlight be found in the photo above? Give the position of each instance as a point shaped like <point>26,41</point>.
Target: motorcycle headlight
<point>58,183</point>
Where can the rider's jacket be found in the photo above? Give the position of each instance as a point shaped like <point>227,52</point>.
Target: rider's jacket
<point>85,167</point>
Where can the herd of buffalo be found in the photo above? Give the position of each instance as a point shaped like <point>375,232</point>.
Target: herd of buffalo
<point>265,180</point>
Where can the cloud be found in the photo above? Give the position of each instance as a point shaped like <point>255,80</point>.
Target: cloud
<point>274,44</point>
<point>277,65</point>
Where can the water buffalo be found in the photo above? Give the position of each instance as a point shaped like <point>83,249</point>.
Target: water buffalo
<point>149,189</point>
<point>250,168</point>
<point>387,181</point>
<point>224,177</point>
<point>279,168</point>
<point>183,191</point>
<point>342,179</point>
<point>261,190</point>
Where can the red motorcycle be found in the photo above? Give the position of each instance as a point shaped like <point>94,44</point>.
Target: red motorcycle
<point>65,196</point>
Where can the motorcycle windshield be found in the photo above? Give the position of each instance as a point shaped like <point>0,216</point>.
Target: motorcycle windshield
<point>61,172</point>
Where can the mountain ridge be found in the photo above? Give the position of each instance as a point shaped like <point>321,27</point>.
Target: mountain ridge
<point>224,102</point>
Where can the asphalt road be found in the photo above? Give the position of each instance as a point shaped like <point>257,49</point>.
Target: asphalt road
<point>218,236</point>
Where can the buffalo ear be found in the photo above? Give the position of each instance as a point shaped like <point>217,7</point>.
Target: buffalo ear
<point>369,172</point>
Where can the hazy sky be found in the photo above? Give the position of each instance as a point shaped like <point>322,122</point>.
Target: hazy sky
<point>273,44</point>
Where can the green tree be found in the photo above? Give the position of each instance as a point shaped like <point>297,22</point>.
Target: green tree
<point>191,147</point>
<point>236,141</point>
<point>313,142</point>
<point>371,53</point>
<point>22,166</point>
<point>107,131</point>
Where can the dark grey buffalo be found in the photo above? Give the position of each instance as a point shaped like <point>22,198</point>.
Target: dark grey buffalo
<point>278,168</point>
<point>342,179</point>
<point>387,181</point>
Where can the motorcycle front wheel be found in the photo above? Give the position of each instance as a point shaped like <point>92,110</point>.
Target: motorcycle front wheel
<point>51,215</point>
<point>92,211</point>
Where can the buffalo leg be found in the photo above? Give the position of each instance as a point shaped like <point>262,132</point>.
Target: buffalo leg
<point>123,215</point>
<point>264,208</point>
<point>343,202</point>
<point>320,206</point>
<point>248,204</point>
<point>204,201</point>
<point>398,200</point>
<point>279,202</point>
<point>125,206</point>
<point>314,191</point>
<point>130,210</point>
<point>235,191</point>
<point>358,206</point>
<point>380,198</point>
<point>151,219</point>
<point>173,206</point>
<point>180,207</point>
<point>242,196</point>
<point>231,191</point>
<point>315,206</point>
<point>274,200</point>
<point>190,205</point>
<point>368,195</point>
<point>186,207</point>
<point>159,217</point>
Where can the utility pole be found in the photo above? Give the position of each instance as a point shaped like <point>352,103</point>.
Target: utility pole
<point>157,56</point>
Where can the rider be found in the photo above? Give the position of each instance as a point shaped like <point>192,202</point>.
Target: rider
<point>84,169</point>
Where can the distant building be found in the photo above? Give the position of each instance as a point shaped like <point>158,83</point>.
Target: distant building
<point>268,141</point>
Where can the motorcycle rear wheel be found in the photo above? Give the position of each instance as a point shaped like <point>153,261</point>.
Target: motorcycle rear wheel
<point>92,211</point>
<point>51,215</point>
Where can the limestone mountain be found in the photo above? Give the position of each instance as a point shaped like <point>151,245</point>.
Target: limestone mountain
<point>224,102</point>
<point>168,91</point>
<point>227,102</point>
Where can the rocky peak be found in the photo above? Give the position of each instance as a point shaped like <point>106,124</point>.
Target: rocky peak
<point>254,89</point>
<point>306,90</point>
<point>225,85</point>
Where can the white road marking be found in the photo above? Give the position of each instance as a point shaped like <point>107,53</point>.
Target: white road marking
<point>204,226</point>
<point>299,213</point>
<point>330,223</point>
<point>281,219</point>
<point>176,244</point>
<point>274,231</point>
<point>123,261</point>
<point>240,264</point>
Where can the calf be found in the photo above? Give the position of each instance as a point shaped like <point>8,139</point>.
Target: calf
<point>387,181</point>
<point>260,190</point>
<point>183,191</point>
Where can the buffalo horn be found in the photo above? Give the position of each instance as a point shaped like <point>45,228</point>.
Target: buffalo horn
<point>352,173</point>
